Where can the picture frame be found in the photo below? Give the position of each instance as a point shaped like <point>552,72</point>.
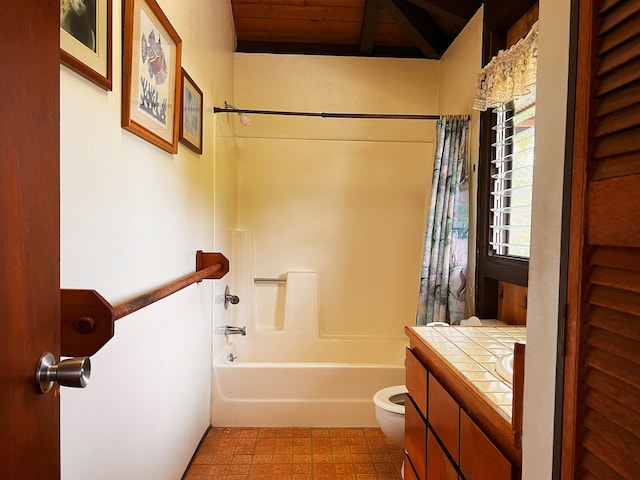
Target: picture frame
<point>86,39</point>
<point>151,75</point>
<point>191,116</point>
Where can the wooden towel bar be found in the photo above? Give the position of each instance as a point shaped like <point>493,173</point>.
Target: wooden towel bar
<point>87,319</point>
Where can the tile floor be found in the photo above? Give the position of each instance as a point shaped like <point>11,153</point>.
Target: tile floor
<point>295,454</point>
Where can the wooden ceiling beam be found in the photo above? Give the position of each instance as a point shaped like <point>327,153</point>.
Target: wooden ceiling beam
<point>418,25</point>
<point>458,12</point>
<point>369,24</point>
<point>324,49</point>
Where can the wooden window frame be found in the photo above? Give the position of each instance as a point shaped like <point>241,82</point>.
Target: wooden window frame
<point>491,269</point>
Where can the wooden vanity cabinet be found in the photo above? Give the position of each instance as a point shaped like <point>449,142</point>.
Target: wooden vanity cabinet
<point>428,401</point>
<point>442,441</point>
<point>409,472</point>
<point>415,439</point>
<point>416,381</point>
<point>415,412</point>
<point>439,467</point>
<point>444,417</point>
<point>479,458</point>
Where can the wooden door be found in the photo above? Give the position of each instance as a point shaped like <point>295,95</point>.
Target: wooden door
<point>29,236</point>
<point>601,424</point>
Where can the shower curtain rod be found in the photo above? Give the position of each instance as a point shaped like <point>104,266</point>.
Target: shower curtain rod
<point>326,114</point>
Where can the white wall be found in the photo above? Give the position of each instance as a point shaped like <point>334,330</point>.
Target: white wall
<point>459,67</point>
<point>341,197</point>
<point>132,218</point>
<point>544,266</point>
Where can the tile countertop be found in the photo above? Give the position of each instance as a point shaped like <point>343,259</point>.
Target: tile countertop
<point>473,352</point>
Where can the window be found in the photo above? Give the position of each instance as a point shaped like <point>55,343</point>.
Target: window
<point>512,177</point>
<point>505,167</point>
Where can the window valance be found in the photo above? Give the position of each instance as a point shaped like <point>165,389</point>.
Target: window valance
<point>510,74</point>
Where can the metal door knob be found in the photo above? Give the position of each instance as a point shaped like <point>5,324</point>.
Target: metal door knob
<point>72,372</point>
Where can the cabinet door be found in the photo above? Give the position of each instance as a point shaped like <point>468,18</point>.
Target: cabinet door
<point>409,472</point>
<point>415,438</point>
<point>439,467</point>
<point>443,416</point>
<point>416,381</point>
<point>479,457</point>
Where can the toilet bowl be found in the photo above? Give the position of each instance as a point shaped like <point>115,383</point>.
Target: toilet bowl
<point>389,403</point>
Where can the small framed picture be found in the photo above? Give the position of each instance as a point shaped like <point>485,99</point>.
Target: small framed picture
<point>85,39</point>
<point>152,52</point>
<point>191,118</point>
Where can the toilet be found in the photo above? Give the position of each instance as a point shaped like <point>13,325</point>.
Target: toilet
<point>389,403</point>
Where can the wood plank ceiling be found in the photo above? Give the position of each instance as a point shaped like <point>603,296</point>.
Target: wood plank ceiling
<point>383,28</point>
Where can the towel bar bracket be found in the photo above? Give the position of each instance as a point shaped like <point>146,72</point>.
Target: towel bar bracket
<point>86,322</point>
<point>208,259</point>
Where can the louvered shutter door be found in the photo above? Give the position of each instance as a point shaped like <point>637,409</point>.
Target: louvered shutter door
<point>601,425</point>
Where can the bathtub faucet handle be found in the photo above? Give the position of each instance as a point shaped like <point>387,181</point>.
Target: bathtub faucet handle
<point>230,299</point>
<point>233,330</point>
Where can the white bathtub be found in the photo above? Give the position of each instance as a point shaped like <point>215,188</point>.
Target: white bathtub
<point>305,393</point>
<point>290,368</point>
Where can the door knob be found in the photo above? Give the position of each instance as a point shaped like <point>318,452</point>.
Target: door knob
<point>72,372</point>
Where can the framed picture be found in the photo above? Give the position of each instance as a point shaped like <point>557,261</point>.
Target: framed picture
<point>152,52</point>
<point>85,39</point>
<point>191,118</point>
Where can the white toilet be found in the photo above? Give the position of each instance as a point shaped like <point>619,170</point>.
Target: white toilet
<point>389,404</point>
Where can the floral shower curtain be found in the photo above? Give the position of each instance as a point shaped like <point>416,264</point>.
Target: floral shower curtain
<point>444,265</point>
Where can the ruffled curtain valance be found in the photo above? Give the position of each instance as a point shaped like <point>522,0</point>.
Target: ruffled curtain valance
<point>510,74</point>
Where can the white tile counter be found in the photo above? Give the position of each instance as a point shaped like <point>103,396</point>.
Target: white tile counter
<point>473,351</point>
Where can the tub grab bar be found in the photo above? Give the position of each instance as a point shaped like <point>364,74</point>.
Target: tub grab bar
<point>269,280</point>
<point>87,319</point>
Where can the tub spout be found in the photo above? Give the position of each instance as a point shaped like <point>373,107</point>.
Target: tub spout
<point>233,330</point>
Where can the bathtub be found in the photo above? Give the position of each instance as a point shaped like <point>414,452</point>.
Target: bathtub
<point>262,392</point>
<point>290,369</point>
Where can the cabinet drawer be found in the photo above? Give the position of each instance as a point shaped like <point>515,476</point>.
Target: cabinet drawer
<point>479,457</point>
<point>415,439</point>
<point>409,472</point>
<point>416,381</point>
<point>444,416</point>
<point>439,467</point>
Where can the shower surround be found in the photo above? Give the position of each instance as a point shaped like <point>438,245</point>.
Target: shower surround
<point>284,372</point>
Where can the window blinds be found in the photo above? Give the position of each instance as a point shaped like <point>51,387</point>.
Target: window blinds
<point>512,177</point>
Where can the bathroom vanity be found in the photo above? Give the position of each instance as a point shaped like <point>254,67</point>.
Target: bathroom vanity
<point>462,419</point>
